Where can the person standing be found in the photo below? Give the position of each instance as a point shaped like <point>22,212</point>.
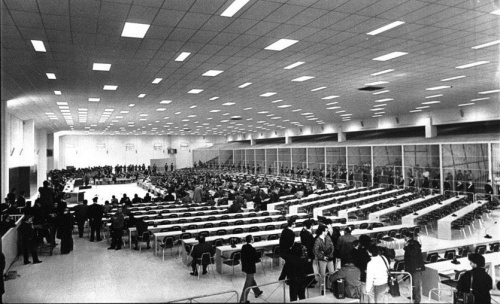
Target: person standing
<point>197,197</point>
<point>95,214</point>
<point>287,239</point>
<point>307,239</point>
<point>81,216</point>
<point>28,238</point>
<point>323,252</point>
<point>249,257</point>
<point>297,273</point>
<point>344,246</point>
<point>65,230</point>
<point>117,226</point>
<point>477,281</point>
<point>414,264</point>
<point>488,190</point>
<point>376,276</point>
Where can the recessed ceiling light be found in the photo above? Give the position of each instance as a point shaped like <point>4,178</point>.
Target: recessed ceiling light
<point>38,45</point>
<point>333,108</point>
<point>142,119</point>
<point>110,87</point>
<point>330,97</point>
<point>268,94</point>
<point>380,105</point>
<point>431,102</point>
<point>385,28</point>
<point>422,107</point>
<point>94,99</point>
<point>157,80</point>
<point>62,103</point>
<point>317,89</point>
<point>212,73</point>
<point>165,101</point>
<point>277,100</point>
<point>160,109</point>
<point>308,113</point>
<point>438,88</point>
<point>385,99</point>
<point>489,92</point>
<point>177,113</point>
<point>331,103</point>
<point>269,115</point>
<point>57,92</point>
<point>192,107</point>
<point>234,8</point>
<point>214,111</point>
<point>135,30</point>
<point>228,104</point>
<point>284,106</point>
<point>296,64</point>
<point>453,78</point>
<point>101,67</point>
<point>390,56</point>
<point>478,99</point>
<point>124,112</point>
<point>192,115</point>
<point>263,112</point>
<point>246,84</point>
<point>381,92</point>
<point>434,96</point>
<point>303,78</point>
<point>246,109</point>
<point>131,105</point>
<point>377,109</point>
<point>51,75</point>
<point>141,95</point>
<point>182,56</point>
<point>214,98</point>
<point>382,72</point>
<point>143,114</point>
<point>466,104</point>
<point>296,110</point>
<point>195,91</point>
<point>281,44</point>
<point>486,44</point>
<point>473,64</point>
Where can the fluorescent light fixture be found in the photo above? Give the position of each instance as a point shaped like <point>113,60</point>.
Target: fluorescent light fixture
<point>303,78</point>
<point>486,44</point>
<point>228,104</point>
<point>376,83</point>
<point>94,99</point>
<point>62,103</point>
<point>296,110</point>
<point>165,101</point>
<point>246,109</point>
<point>143,115</point>
<point>478,99</point>
<point>434,96</point>
<point>470,65</point>
<point>214,98</point>
<point>380,105</point>
<point>385,99</point>
<point>157,80</point>
<point>390,56</point>
<point>192,107</point>
<point>234,8</point>
<point>160,109</point>
<point>132,105</point>
<point>453,78</point>
<point>496,12</point>
<point>57,92</point>
<point>413,111</point>
<point>296,64</point>
<point>317,89</point>
<point>135,30</point>
<point>51,75</point>
<point>118,117</point>
<point>101,67</point>
<point>268,94</point>
<point>346,115</point>
<point>330,97</point>
<point>195,91</point>
<point>431,102</point>
<point>38,45</point>
<point>192,115</point>
<point>466,104</point>
<point>63,107</point>
<point>385,28</point>
<point>340,111</point>
<point>284,106</point>
<point>124,112</point>
<point>110,87</point>
<point>281,44</point>
<point>263,112</point>
<point>277,100</point>
<point>333,108</point>
<point>381,92</point>
<point>489,92</point>
<point>377,109</point>
<point>182,56</point>
<point>212,73</point>
<point>307,113</point>
<point>214,111</point>
<point>141,95</point>
<point>438,88</point>
<point>382,72</point>
<point>331,103</point>
<point>422,107</point>
<point>246,84</point>
<point>376,115</point>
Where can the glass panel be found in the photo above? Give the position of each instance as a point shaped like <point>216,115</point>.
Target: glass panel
<point>239,159</point>
<point>359,165</point>
<point>299,160</point>
<point>495,159</point>
<point>271,155</point>
<point>421,166</point>
<point>250,161</point>
<point>226,158</point>
<point>210,158</point>
<point>336,164</point>
<point>284,158</point>
<point>466,166</point>
<point>260,160</point>
<point>387,164</point>
<point>316,161</point>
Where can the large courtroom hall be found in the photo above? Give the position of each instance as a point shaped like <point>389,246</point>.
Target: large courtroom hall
<point>250,151</point>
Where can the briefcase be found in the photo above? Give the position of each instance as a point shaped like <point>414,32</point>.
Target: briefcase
<point>339,288</point>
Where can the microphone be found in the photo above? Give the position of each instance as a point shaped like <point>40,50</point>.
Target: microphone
<point>487,235</point>
<point>455,261</point>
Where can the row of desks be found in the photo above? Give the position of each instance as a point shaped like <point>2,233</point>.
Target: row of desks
<point>444,224</point>
<point>411,219</point>
<point>345,213</point>
<point>325,198</point>
<point>376,216</point>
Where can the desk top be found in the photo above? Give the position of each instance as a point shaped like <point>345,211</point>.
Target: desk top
<point>429,209</point>
<point>402,206</point>
<point>365,206</point>
<point>448,267</point>
<point>320,210</point>
<point>256,245</point>
<point>460,213</point>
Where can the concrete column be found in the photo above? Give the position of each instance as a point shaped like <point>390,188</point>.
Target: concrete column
<point>56,150</point>
<point>341,135</point>
<point>288,139</point>
<point>252,142</point>
<point>430,130</point>
<point>41,149</point>
<point>28,155</point>
<point>5,149</point>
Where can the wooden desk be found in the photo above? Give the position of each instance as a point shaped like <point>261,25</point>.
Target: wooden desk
<point>444,224</point>
<point>410,219</point>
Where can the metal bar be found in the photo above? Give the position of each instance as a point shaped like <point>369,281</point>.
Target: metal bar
<point>190,299</point>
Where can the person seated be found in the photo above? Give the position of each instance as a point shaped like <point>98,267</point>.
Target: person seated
<point>199,249</point>
<point>169,197</point>
<point>141,227</point>
<point>235,207</point>
<point>351,274</point>
<point>147,197</point>
<point>136,199</point>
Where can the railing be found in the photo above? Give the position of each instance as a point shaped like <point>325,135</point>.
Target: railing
<point>278,283</point>
<point>368,295</point>
<point>218,300</point>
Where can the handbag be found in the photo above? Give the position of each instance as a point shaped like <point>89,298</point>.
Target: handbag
<point>189,259</point>
<point>392,281</point>
<point>460,297</point>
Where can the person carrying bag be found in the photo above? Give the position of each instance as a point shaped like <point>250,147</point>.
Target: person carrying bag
<point>392,281</point>
<point>474,285</point>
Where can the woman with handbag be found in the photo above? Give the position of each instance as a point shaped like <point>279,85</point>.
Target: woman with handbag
<point>376,276</point>
<point>323,252</point>
<point>474,286</point>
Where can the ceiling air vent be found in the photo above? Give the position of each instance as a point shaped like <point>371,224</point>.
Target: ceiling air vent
<point>370,88</point>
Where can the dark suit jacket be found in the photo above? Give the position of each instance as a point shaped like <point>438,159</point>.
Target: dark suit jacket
<point>249,257</point>
<point>481,284</point>
<point>200,249</point>
<point>286,241</point>
<point>95,212</point>
<point>307,239</point>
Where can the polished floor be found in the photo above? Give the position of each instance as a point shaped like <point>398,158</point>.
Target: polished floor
<point>91,273</point>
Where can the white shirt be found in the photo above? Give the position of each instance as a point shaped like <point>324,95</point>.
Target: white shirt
<point>376,272</point>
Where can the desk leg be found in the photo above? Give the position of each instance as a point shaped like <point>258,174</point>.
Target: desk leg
<point>130,239</point>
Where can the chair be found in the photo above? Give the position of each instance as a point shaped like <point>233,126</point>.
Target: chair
<point>272,237</point>
<point>254,221</point>
<point>239,215</point>
<point>363,226</point>
<point>281,218</point>
<point>448,255</point>
<point>274,254</point>
<point>261,254</point>
<point>168,243</point>
<point>192,227</point>
<point>237,230</point>
<point>257,238</point>
<point>200,213</point>
<point>269,227</point>
<point>218,242</point>
<point>197,220</point>
<point>225,217</point>
<point>186,235</point>
<point>164,223</point>
<point>223,224</point>
<point>265,213</point>
<point>449,281</point>
<point>176,228</point>
<point>221,232</point>
<point>284,225</point>
<point>173,215</point>
<point>239,222</point>
<point>164,229</point>
<point>495,247</point>
<point>432,258</point>
<point>208,225</point>
<point>252,214</point>
<point>234,240</point>
<point>233,260</point>
<point>253,229</point>
<point>187,214</point>
<point>206,259</point>
<point>182,221</point>
<point>463,252</point>
<point>144,238</point>
<point>267,220</point>
<point>203,233</point>
<point>211,218</point>
<point>481,249</point>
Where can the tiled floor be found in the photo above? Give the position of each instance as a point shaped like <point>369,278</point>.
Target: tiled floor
<point>91,273</point>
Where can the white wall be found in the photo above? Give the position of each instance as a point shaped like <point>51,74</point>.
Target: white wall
<point>41,154</point>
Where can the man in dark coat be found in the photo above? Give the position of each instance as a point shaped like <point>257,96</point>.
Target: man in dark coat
<point>117,226</point>
<point>81,216</point>
<point>481,281</point>
<point>307,239</point>
<point>28,238</point>
<point>141,227</point>
<point>414,264</point>
<point>95,213</point>
<point>287,239</point>
<point>65,230</point>
<point>249,257</point>
<point>199,249</point>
